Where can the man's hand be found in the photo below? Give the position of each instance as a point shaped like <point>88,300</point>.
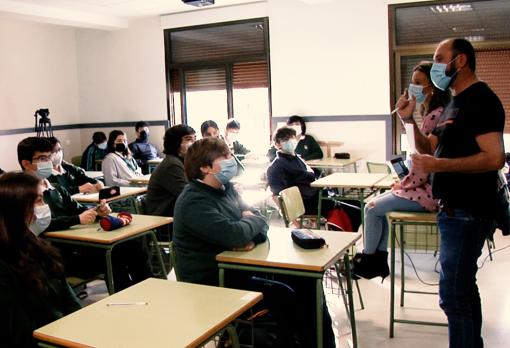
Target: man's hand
<point>247,213</point>
<point>246,247</point>
<point>87,188</point>
<point>99,185</point>
<point>425,163</point>
<point>88,217</point>
<point>103,208</point>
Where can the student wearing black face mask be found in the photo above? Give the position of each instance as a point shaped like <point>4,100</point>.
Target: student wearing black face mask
<point>119,165</point>
<point>141,149</point>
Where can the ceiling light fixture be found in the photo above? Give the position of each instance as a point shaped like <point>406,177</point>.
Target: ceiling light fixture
<point>475,38</point>
<point>451,8</point>
<point>462,29</point>
<point>198,3</point>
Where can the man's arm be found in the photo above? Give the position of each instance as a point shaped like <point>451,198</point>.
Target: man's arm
<point>491,157</point>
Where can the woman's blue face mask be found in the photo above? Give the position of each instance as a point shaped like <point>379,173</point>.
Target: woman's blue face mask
<point>417,92</point>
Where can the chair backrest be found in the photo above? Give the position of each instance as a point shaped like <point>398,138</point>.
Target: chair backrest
<point>291,204</point>
<point>374,167</point>
<point>76,160</point>
<point>173,259</point>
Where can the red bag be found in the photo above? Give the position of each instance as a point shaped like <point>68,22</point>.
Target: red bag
<point>340,218</point>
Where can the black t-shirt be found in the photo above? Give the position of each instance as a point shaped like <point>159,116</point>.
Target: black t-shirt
<point>475,111</point>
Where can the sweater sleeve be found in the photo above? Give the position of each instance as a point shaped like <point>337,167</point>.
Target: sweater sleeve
<point>67,204</point>
<point>204,220</point>
<point>276,178</point>
<point>111,173</point>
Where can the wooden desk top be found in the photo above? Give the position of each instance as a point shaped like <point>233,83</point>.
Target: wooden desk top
<point>140,180</point>
<point>282,252</point>
<point>94,197</point>
<point>349,180</point>
<point>94,174</point>
<point>176,315</point>
<point>386,182</point>
<point>90,233</point>
<point>332,162</point>
<point>155,161</point>
<point>255,198</point>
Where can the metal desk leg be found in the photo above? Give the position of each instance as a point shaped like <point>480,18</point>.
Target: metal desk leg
<point>392,278</point>
<point>234,339</point>
<point>160,257</point>
<point>319,303</point>
<point>319,206</point>
<point>109,271</point>
<point>351,300</point>
<point>222,277</point>
<point>402,271</point>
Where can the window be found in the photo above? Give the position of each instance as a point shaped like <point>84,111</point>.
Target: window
<point>418,27</point>
<point>219,72</point>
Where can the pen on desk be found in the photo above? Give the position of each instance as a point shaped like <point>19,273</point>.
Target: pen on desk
<point>140,303</point>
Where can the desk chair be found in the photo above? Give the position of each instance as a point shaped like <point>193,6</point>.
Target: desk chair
<point>374,167</point>
<point>76,160</point>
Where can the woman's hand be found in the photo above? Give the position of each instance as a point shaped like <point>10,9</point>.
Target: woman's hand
<point>405,106</point>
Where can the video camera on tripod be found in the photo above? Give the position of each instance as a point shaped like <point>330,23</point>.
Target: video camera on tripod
<point>43,129</point>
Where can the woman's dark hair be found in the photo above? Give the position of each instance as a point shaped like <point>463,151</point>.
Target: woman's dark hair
<point>439,97</point>
<point>202,153</point>
<point>111,141</point>
<point>98,137</point>
<point>30,257</point>
<point>301,120</point>
<point>173,138</point>
<point>206,124</point>
<point>283,134</point>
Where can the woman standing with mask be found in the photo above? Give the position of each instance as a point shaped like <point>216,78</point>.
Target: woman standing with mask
<point>33,288</point>
<point>119,166</point>
<point>413,193</point>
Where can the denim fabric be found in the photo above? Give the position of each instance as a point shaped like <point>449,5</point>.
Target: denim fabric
<point>376,224</point>
<point>462,239</point>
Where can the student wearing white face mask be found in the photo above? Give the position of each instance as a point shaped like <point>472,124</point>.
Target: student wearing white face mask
<point>288,169</point>
<point>71,177</point>
<point>33,287</point>
<point>96,151</point>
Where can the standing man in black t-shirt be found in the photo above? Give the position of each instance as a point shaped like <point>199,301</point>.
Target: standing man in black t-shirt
<point>467,148</point>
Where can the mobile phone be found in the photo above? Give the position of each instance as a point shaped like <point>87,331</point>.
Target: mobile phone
<point>109,192</point>
<point>400,167</point>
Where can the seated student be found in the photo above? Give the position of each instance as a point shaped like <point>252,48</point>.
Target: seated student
<point>71,177</point>
<point>209,128</point>
<point>130,259</point>
<point>33,288</point>
<point>119,166</point>
<point>1,171</point>
<point>307,147</point>
<point>168,180</point>
<point>231,136</point>
<point>94,152</point>
<point>210,218</point>
<point>288,169</point>
<point>413,193</point>
<point>141,149</point>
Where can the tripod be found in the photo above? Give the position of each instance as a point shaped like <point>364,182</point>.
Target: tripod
<point>44,128</point>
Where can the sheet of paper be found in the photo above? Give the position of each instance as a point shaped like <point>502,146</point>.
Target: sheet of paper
<point>409,127</point>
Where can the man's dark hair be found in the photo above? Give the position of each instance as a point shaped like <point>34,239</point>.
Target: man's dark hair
<point>206,124</point>
<point>283,134</point>
<point>29,146</point>
<point>173,138</point>
<point>301,120</point>
<point>464,46</point>
<point>98,137</point>
<point>233,124</point>
<point>141,124</point>
<point>202,153</point>
<point>53,141</point>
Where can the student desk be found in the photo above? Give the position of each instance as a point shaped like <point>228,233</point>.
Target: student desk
<point>365,184</point>
<point>334,163</point>
<point>176,315</point>
<point>281,256</point>
<point>93,236</point>
<point>153,163</point>
<point>94,174</point>
<point>140,180</point>
<point>125,192</point>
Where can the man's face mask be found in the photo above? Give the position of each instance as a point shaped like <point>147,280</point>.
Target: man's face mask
<point>44,169</point>
<point>103,146</point>
<point>228,169</point>
<point>57,158</point>
<point>144,135</point>
<point>440,77</point>
<point>289,146</point>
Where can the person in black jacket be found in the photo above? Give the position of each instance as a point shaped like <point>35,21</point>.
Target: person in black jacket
<point>141,149</point>
<point>130,259</point>
<point>71,177</point>
<point>96,151</point>
<point>33,287</point>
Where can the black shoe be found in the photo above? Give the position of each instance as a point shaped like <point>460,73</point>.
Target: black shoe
<point>369,266</point>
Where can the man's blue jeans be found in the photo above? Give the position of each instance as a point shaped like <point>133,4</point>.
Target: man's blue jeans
<point>462,239</point>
